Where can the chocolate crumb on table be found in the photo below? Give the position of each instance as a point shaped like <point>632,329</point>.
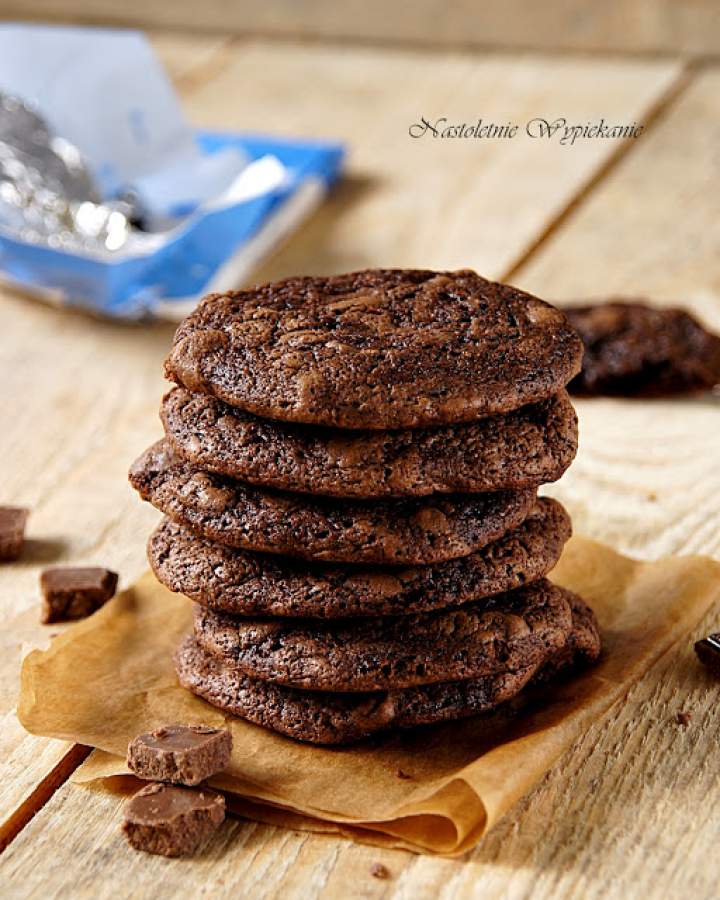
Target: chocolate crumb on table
<point>708,652</point>
<point>71,592</point>
<point>181,754</point>
<point>12,532</point>
<point>378,870</point>
<point>170,820</point>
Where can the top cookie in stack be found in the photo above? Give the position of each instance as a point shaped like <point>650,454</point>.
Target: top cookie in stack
<point>370,446</point>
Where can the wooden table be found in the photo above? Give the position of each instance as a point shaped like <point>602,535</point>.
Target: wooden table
<point>629,811</point>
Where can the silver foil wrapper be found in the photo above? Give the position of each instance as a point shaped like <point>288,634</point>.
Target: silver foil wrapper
<point>47,193</point>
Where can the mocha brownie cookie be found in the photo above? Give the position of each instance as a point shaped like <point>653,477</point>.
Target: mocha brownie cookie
<point>500,634</point>
<point>399,532</point>
<point>336,718</point>
<point>583,645</point>
<point>379,349</point>
<point>331,718</point>
<point>231,580</point>
<point>636,350</point>
<point>525,448</point>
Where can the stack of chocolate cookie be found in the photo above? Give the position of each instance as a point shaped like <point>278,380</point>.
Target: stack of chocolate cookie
<point>349,476</point>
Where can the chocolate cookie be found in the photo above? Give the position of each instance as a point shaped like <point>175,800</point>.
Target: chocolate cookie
<point>582,647</point>
<point>500,634</point>
<point>400,532</point>
<point>379,349</point>
<point>636,350</point>
<point>231,580</point>
<point>331,718</point>
<point>525,448</point>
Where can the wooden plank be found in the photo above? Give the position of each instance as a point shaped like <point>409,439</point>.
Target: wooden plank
<point>427,202</point>
<point>188,57</point>
<point>647,478</point>
<point>627,25</point>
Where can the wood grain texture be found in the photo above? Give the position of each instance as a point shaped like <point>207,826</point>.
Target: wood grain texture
<point>647,479</point>
<point>426,202</point>
<point>628,25</point>
<point>80,401</point>
<point>188,58</point>
<point>622,813</point>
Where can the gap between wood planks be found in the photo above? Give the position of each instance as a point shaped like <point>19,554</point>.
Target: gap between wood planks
<point>375,41</point>
<point>78,753</point>
<point>35,801</point>
<point>656,111</point>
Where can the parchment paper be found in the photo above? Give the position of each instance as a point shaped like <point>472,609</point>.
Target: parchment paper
<point>110,677</point>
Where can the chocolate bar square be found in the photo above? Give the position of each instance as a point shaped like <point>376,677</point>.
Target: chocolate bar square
<point>182,754</point>
<point>72,592</point>
<point>12,532</point>
<point>172,821</point>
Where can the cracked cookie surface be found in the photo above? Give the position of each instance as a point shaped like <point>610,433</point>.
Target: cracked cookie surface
<point>377,349</point>
<point>239,582</point>
<point>633,349</point>
<point>393,532</point>
<point>500,634</point>
<point>323,717</point>
<point>525,448</point>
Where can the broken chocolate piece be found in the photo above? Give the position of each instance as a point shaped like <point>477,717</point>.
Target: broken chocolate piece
<point>181,754</point>
<point>172,821</point>
<point>12,532</point>
<point>70,592</point>
<point>708,652</point>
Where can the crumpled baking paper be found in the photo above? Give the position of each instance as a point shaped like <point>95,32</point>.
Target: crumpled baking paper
<point>110,677</point>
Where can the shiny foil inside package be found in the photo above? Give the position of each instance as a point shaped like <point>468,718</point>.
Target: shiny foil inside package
<point>111,201</point>
<point>47,193</point>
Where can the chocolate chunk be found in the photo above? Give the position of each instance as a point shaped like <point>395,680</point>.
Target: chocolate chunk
<point>12,532</point>
<point>171,820</point>
<point>708,652</point>
<point>682,719</point>
<point>182,754</point>
<point>378,870</point>
<point>70,592</point>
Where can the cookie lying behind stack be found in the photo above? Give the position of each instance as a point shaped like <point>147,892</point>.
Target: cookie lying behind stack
<point>349,474</point>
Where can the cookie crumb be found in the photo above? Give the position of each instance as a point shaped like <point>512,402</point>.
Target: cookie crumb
<point>682,719</point>
<point>405,776</point>
<point>708,652</point>
<point>378,870</point>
